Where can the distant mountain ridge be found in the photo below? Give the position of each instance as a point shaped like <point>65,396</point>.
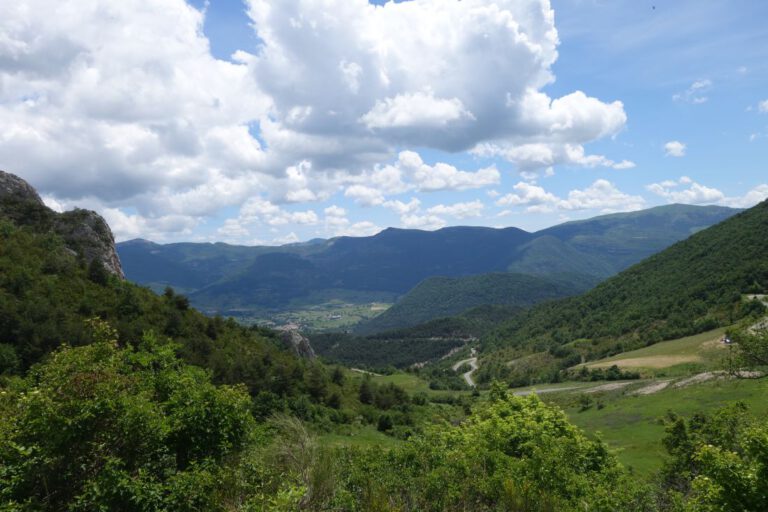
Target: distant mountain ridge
<point>225,278</point>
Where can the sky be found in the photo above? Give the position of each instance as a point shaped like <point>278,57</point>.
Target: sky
<point>278,121</point>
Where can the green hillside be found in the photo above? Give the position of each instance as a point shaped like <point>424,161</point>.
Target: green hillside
<point>438,297</point>
<point>694,286</point>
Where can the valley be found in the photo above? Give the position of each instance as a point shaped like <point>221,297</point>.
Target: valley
<point>612,386</point>
<point>329,316</point>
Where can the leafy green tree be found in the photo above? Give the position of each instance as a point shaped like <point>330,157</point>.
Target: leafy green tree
<point>719,462</point>
<point>753,346</point>
<point>366,391</point>
<point>106,428</point>
<point>317,382</point>
<point>337,376</point>
<point>385,423</point>
<point>516,453</point>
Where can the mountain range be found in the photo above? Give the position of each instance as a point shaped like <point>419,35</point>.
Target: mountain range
<point>229,279</point>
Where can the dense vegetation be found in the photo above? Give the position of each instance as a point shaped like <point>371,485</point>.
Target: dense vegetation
<point>402,348</point>
<point>378,353</point>
<point>108,428</point>
<point>223,278</point>
<point>49,297</point>
<point>693,286</point>
<point>718,461</point>
<point>439,297</point>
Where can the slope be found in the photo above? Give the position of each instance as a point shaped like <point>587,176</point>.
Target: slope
<point>50,294</point>
<point>691,287</point>
<point>437,297</point>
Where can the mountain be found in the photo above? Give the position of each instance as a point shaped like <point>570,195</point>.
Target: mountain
<point>438,297</point>
<point>59,274</point>
<point>693,286</point>
<point>225,278</point>
<point>84,232</point>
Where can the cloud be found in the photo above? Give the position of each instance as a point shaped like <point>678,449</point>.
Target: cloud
<point>115,100</point>
<point>419,109</point>
<point>363,228</point>
<point>527,194</point>
<point>696,93</point>
<point>531,158</point>
<point>763,106</point>
<point>675,148</point>
<point>442,176</point>
<point>415,74</point>
<point>259,214</point>
<point>694,193</point>
<point>426,222</point>
<point>402,208</point>
<point>122,103</point>
<point>602,195</point>
<point>366,196</point>
<point>458,210</point>
<point>410,173</point>
<point>751,198</point>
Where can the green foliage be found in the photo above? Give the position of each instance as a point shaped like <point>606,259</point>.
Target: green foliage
<point>718,462</point>
<point>377,353</point>
<point>613,372</point>
<point>46,294</point>
<point>515,454</point>
<point>438,297</point>
<point>752,346</point>
<point>107,428</point>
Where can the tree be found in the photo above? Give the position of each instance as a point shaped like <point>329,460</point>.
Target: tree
<point>366,392</point>
<point>753,345</point>
<point>385,423</point>
<point>97,273</point>
<point>719,461</point>
<point>317,382</point>
<point>337,377</point>
<point>106,428</point>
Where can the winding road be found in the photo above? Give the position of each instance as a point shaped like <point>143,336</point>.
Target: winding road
<point>472,362</point>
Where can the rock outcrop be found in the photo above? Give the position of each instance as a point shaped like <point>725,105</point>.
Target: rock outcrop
<point>85,232</point>
<point>297,342</point>
<point>13,187</point>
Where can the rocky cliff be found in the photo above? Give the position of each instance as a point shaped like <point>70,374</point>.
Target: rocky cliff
<point>297,342</point>
<point>85,232</point>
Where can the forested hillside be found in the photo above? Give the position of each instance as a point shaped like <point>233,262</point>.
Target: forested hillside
<point>693,286</point>
<point>438,297</point>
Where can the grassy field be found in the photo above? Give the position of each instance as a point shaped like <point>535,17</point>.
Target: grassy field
<point>358,437</point>
<point>690,354</point>
<point>632,426</point>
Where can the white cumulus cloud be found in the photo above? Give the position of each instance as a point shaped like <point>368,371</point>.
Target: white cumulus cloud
<point>458,210</point>
<point>122,104</point>
<point>675,148</point>
<point>686,191</point>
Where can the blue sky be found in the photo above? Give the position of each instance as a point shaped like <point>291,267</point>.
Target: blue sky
<point>269,122</point>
